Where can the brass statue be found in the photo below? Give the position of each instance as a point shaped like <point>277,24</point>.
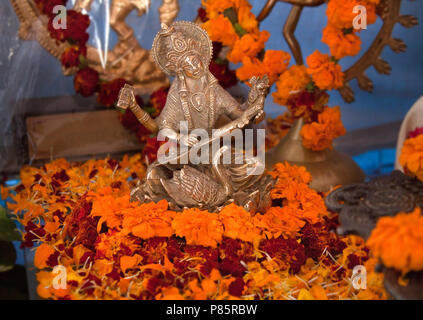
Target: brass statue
<point>184,50</point>
<point>127,60</point>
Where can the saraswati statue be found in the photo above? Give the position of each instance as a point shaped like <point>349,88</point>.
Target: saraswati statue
<point>184,50</point>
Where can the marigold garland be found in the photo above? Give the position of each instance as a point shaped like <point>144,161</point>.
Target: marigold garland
<point>232,23</point>
<point>319,135</point>
<point>302,89</point>
<point>326,74</point>
<point>112,248</point>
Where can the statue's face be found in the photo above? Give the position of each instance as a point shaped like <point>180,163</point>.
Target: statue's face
<point>193,67</point>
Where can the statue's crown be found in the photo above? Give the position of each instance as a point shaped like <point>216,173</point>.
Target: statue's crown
<point>172,44</point>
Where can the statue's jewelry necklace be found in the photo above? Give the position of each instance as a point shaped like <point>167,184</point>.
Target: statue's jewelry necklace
<point>198,100</point>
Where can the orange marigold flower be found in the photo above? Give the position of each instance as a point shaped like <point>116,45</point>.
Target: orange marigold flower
<point>43,252</point>
<point>220,29</point>
<point>292,187</point>
<point>291,81</point>
<point>284,171</point>
<point>341,44</point>
<point>411,157</point>
<point>198,227</point>
<point>109,208</point>
<point>319,135</point>
<point>169,293</point>
<point>216,7</point>
<point>247,19</point>
<point>250,67</point>
<point>341,12</point>
<point>248,45</point>
<point>148,220</point>
<point>279,220</point>
<point>4,192</point>
<point>238,223</point>
<point>110,244</point>
<point>103,266</point>
<point>398,241</point>
<point>326,74</point>
<point>275,62</point>
<point>44,279</point>
<point>129,262</point>
<point>304,202</point>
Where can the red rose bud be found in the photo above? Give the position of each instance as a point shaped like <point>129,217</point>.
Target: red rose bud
<point>109,92</point>
<point>86,81</point>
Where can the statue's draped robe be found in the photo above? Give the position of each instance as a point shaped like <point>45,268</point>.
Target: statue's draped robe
<point>175,110</point>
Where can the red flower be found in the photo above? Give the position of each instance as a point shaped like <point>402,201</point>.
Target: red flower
<point>416,132</point>
<point>109,92</point>
<point>76,28</point>
<point>32,232</point>
<point>61,176</point>
<point>151,148</point>
<point>288,250</point>
<point>217,47</point>
<point>223,74</point>
<point>70,57</point>
<point>236,287</point>
<point>129,121</point>
<point>202,14</point>
<point>142,133</point>
<point>158,99</point>
<point>86,81</point>
<point>46,6</point>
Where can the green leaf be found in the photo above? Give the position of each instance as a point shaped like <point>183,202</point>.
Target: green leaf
<point>7,256</point>
<point>83,62</point>
<point>347,31</point>
<point>310,86</point>
<point>334,59</point>
<point>8,230</point>
<point>231,15</point>
<point>239,29</point>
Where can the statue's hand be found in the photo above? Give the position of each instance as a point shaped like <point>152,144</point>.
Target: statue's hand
<point>126,97</point>
<point>259,117</point>
<point>189,139</point>
<point>259,88</point>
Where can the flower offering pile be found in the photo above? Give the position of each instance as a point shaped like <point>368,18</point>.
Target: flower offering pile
<point>79,216</point>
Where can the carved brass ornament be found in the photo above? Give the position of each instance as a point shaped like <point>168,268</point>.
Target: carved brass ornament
<point>126,60</point>
<point>389,12</point>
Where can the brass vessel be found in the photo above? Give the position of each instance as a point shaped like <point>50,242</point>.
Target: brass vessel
<point>328,168</point>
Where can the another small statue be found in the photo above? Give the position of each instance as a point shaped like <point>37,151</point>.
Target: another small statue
<point>184,51</point>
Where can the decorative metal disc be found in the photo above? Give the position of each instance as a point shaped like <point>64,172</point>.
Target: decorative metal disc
<point>361,205</point>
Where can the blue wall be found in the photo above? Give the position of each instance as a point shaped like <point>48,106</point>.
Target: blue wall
<point>393,95</point>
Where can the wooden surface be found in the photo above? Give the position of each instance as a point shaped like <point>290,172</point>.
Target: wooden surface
<point>359,141</point>
<point>77,135</point>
